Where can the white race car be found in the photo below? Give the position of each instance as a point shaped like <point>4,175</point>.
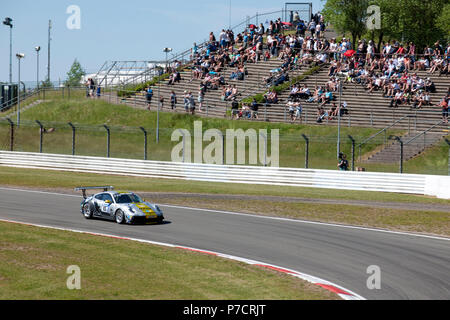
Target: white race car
<point>122,207</point>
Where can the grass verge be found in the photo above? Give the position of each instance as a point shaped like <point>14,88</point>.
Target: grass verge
<point>33,264</point>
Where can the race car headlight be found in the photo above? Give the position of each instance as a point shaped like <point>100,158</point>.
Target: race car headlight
<point>131,209</point>
<point>158,209</point>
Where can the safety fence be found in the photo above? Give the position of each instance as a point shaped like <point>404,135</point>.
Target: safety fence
<point>363,181</point>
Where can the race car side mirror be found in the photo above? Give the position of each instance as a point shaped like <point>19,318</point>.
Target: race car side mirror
<point>108,201</point>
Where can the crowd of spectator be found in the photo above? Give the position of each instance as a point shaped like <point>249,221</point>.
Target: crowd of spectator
<point>392,70</point>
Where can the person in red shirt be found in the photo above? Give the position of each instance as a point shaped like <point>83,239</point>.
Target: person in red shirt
<point>401,50</point>
<point>444,106</point>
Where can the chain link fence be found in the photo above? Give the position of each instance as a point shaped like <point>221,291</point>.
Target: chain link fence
<point>295,150</point>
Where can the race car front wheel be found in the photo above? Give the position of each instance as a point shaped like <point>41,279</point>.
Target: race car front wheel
<point>120,217</point>
<point>87,212</point>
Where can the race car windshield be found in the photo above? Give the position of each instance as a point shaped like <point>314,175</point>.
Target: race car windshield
<point>127,198</point>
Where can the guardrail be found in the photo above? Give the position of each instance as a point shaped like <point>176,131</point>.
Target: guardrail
<point>364,181</point>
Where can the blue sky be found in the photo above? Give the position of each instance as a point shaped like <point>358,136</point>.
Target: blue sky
<point>114,30</point>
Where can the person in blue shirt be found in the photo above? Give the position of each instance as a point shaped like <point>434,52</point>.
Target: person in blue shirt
<point>149,97</point>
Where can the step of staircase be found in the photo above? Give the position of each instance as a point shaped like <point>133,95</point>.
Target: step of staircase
<point>391,152</point>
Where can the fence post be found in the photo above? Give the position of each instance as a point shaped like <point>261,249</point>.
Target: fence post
<point>353,151</point>
<point>73,137</point>
<point>265,111</point>
<point>223,148</point>
<point>401,152</point>
<point>11,134</point>
<point>265,148</point>
<point>41,134</point>
<point>184,144</point>
<point>145,142</point>
<point>448,142</point>
<point>108,140</point>
<point>306,151</point>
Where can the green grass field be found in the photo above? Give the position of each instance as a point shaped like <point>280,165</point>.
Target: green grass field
<point>34,261</point>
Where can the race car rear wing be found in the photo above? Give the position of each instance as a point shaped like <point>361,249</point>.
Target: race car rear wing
<point>83,189</point>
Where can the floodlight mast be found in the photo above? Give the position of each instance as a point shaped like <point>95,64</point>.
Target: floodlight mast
<point>19,57</point>
<point>38,48</point>
<point>8,22</point>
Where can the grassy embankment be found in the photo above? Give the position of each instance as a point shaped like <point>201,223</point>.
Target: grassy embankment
<point>127,139</point>
<point>33,264</point>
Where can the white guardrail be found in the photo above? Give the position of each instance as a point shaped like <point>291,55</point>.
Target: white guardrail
<point>438,186</point>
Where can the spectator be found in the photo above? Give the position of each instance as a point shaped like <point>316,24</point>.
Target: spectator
<point>235,109</point>
<point>186,101</point>
<point>173,100</point>
<point>149,96</point>
<point>298,111</point>
<point>200,98</point>
<point>343,163</point>
<point>444,106</point>
<point>254,107</point>
<point>191,103</point>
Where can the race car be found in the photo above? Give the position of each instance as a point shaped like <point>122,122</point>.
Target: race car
<point>122,207</point>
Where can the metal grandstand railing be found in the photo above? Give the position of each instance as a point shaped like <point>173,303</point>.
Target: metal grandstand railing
<point>112,71</point>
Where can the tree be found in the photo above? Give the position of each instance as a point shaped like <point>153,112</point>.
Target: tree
<point>347,16</point>
<point>390,11</point>
<point>75,75</point>
<point>46,84</point>
<point>420,21</point>
<point>443,21</point>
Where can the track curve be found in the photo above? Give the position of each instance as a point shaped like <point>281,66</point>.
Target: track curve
<point>412,267</point>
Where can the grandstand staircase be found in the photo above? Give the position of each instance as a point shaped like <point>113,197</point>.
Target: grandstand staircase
<point>252,85</point>
<point>391,152</point>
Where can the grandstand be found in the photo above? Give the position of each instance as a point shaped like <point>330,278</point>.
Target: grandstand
<point>365,108</point>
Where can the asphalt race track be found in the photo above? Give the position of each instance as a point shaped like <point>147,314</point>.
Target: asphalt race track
<point>412,267</point>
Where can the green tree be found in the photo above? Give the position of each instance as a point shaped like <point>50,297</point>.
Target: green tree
<point>390,11</point>
<point>46,84</point>
<point>418,21</point>
<point>74,75</point>
<point>443,21</point>
<point>347,16</point>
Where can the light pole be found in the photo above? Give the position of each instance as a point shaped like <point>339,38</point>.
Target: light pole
<point>49,41</point>
<point>166,50</point>
<point>8,23</point>
<point>38,48</point>
<point>19,56</point>
<point>339,119</point>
